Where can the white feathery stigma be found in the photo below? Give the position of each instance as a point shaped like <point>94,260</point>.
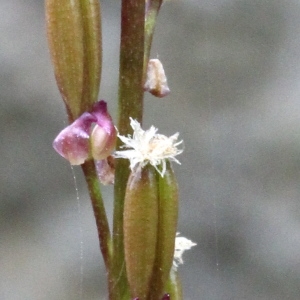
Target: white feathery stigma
<point>181,244</point>
<point>148,147</point>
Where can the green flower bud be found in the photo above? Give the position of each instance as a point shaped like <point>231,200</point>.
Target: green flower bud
<point>74,37</point>
<point>167,224</point>
<point>140,229</point>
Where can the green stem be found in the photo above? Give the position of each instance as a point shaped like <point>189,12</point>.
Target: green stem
<point>130,105</point>
<point>104,236</point>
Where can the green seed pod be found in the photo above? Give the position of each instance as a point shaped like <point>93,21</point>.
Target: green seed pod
<point>140,229</point>
<point>167,224</point>
<point>74,36</point>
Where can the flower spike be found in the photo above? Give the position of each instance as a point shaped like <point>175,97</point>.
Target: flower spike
<point>149,147</point>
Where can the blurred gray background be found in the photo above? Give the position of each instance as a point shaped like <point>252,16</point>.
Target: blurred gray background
<point>234,72</point>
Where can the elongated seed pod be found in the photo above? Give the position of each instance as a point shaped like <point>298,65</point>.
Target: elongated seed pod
<point>74,36</point>
<point>140,229</point>
<point>167,224</point>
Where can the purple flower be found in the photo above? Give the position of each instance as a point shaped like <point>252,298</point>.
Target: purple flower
<point>76,143</point>
<point>104,134</point>
<point>72,143</point>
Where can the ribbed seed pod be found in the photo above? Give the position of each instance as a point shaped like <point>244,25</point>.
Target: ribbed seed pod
<point>140,229</point>
<point>74,36</point>
<point>167,224</point>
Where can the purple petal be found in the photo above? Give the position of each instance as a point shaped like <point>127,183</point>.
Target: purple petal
<point>104,135</point>
<point>72,143</point>
<point>104,120</point>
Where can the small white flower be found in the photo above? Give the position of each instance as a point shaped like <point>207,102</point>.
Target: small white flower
<point>149,147</point>
<point>181,244</point>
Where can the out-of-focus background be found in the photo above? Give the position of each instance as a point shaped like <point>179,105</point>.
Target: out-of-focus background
<point>234,72</point>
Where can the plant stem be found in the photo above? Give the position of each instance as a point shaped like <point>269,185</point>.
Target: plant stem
<point>104,236</point>
<point>130,105</point>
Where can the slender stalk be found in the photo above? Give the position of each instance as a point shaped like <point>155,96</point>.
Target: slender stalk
<point>130,105</point>
<point>104,236</point>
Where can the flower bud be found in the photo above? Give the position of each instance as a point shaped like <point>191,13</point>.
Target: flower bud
<point>140,229</point>
<point>104,135</point>
<point>72,143</point>
<point>156,81</point>
<point>74,37</point>
<point>167,224</point>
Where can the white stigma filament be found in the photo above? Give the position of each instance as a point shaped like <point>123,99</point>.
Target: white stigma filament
<point>148,147</point>
<point>181,244</point>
